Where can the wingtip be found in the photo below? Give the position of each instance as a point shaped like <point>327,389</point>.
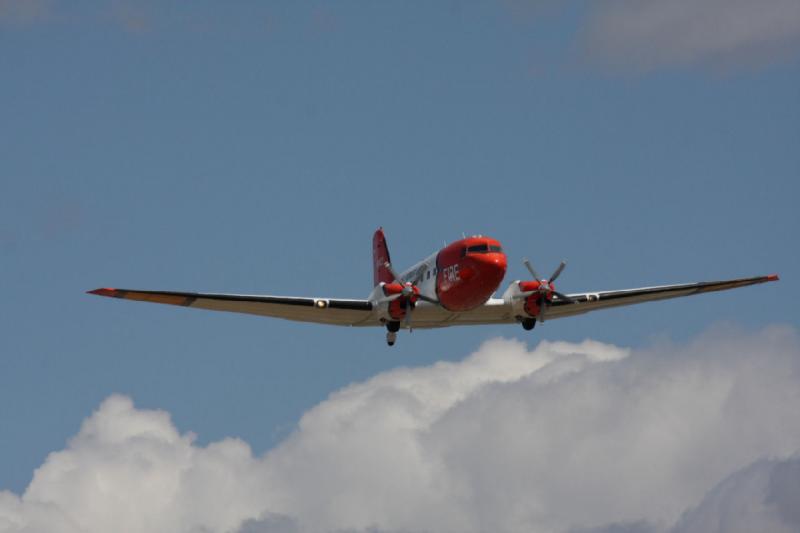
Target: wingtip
<point>773,277</point>
<point>105,291</point>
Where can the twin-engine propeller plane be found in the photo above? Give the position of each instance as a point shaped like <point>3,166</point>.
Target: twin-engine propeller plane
<point>452,287</point>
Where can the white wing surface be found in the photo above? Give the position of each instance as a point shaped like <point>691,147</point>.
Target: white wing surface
<point>591,301</point>
<point>341,312</point>
<point>498,311</point>
<point>318,310</point>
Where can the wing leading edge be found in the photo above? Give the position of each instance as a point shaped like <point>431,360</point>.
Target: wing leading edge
<point>591,301</point>
<point>360,312</point>
<point>498,311</point>
<point>318,310</point>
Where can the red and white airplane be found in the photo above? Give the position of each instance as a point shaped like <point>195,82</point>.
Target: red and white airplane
<point>452,287</point>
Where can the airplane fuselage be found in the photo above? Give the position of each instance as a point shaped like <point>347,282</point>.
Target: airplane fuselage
<point>464,274</point>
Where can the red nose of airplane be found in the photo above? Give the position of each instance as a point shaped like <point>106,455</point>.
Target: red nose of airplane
<point>472,270</point>
<point>484,272</point>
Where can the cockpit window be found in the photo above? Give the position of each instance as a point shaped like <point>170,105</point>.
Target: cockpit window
<point>484,248</point>
<point>478,248</point>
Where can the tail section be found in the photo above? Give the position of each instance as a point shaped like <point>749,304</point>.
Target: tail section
<point>380,256</point>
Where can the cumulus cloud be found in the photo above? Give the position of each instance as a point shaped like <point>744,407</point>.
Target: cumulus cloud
<point>764,496</point>
<point>563,437</point>
<point>129,470</point>
<point>646,34</point>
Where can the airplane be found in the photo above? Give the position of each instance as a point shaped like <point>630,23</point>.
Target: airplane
<point>452,287</point>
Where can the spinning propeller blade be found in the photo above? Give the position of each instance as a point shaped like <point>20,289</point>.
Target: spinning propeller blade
<point>563,297</point>
<point>558,271</point>
<point>394,274</point>
<point>390,298</point>
<point>530,269</point>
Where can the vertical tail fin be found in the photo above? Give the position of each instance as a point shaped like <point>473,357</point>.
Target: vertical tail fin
<point>380,256</point>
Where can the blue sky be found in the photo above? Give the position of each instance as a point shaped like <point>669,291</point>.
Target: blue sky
<point>255,148</point>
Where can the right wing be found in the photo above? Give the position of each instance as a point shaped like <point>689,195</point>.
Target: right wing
<point>499,311</point>
<point>591,301</point>
<point>319,310</point>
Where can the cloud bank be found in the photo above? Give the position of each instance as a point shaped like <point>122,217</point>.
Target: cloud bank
<point>563,437</point>
<point>647,34</point>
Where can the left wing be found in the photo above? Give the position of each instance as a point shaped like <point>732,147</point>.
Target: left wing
<point>319,310</point>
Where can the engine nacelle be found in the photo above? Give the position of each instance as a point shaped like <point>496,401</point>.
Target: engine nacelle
<point>390,301</point>
<point>525,296</point>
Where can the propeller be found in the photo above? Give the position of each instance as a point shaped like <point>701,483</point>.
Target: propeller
<point>409,291</point>
<point>409,286</point>
<point>545,287</point>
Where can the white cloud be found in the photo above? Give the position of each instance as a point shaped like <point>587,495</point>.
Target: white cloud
<point>765,496</point>
<point>563,437</point>
<point>647,34</point>
<point>129,470</point>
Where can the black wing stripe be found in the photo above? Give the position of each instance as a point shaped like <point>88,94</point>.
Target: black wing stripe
<point>188,298</point>
<point>694,288</point>
<point>353,305</point>
<point>309,302</point>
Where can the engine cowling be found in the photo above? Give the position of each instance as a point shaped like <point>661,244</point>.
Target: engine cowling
<point>541,290</point>
<point>531,299</point>
<point>397,307</point>
<point>526,296</point>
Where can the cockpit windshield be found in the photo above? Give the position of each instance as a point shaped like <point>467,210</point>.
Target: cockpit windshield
<point>483,248</point>
<point>478,248</point>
